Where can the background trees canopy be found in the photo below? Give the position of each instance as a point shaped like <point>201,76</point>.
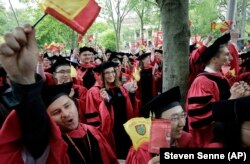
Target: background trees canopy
<point>201,14</point>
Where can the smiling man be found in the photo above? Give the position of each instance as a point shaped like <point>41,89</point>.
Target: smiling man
<point>164,106</point>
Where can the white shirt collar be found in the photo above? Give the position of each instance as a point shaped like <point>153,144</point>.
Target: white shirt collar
<point>210,70</point>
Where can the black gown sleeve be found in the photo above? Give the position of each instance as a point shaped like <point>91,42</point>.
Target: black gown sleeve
<point>34,120</point>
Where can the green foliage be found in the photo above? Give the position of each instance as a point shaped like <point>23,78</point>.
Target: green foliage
<point>107,39</point>
<point>202,13</point>
<point>51,30</point>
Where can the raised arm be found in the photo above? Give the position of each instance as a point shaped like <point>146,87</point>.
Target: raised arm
<point>18,56</point>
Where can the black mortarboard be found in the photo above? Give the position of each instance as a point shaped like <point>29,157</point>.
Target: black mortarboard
<point>232,110</point>
<point>67,57</point>
<point>245,55</point>
<point>54,57</point>
<point>104,66</point>
<point>245,63</point>
<point>59,62</point>
<point>98,57</point>
<point>92,50</point>
<point>108,51</point>
<point>212,50</point>
<point>143,56</point>
<point>137,54</point>
<point>192,48</point>
<point>159,51</point>
<point>162,102</point>
<point>51,92</point>
<point>82,49</point>
<point>115,55</point>
<point>45,55</point>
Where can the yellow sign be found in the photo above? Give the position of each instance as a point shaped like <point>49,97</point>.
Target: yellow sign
<point>138,130</point>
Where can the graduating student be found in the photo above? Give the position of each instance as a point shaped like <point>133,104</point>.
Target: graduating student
<point>233,50</point>
<point>148,79</point>
<point>244,75</point>
<point>109,107</point>
<point>209,86</point>
<point>194,66</point>
<point>164,106</point>
<point>232,123</point>
<point>60,73</point>
<point>123,77</point>
<point>31,134</point>
<point>44,62</point>
<point>85,74</point>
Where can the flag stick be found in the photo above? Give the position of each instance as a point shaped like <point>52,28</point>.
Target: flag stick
<point>39,20</point>
<point>14,12</point>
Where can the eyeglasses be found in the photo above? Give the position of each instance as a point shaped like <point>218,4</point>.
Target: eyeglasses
<point>177,117</point>
<point>87,54</point>
<point>111,72</point>
<point>64,71</point>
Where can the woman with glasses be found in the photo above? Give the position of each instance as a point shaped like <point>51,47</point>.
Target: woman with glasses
<point>164,106</point>
<point>109,107</point>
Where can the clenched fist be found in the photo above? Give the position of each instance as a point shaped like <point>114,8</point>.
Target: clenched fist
<point>19,53</point>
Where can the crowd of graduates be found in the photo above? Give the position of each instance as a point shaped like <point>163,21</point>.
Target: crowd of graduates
<point>58,109</point>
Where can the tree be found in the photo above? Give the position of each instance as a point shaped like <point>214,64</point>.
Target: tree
<point>97,30</point>
<point>142,9</point>
<point>202,13</point>
<point>176,43</point>
<point>114,11</point>
<point>107,39</point>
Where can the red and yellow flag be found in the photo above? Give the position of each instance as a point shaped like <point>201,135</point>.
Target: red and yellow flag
<point>77,14</point>
<point>222,26</point>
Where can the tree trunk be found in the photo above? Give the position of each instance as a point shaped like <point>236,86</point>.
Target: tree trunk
<point>116,41</point>
<point>142,33</point>
<point>118,36</point>
<point>176,34</point>
<point>243,18</point>
<point>231,10</point>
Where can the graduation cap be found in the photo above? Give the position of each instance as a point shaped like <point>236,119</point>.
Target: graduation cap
<point>245,55</point>
<point>83,49</point>
<point>137,54</point>
<point>51,92</point>
<point>100,68</point>
<point>159,51</point>
<point>245,63</point>
<point>115,55</point>
<point>61,61</point>
<point>53,58</point>
<point>232,110</point>
<point>162,102</point>
<point>67,57</point>
<point>99,58</point>
<point>46,55</point>
<point>212,50</point>
<point>92,50</point>
<point>143,56</point>
<point>192,48</point>
<point>108,51</point>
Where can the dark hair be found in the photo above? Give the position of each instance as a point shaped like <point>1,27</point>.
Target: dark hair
<point>117,82</point>
<point>3,114</point>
